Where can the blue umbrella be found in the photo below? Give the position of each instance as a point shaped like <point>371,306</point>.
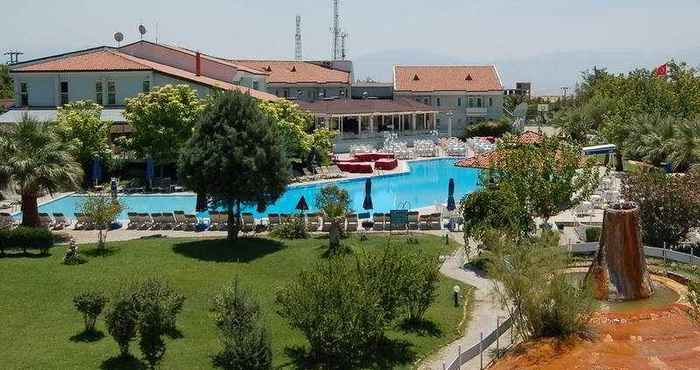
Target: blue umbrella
<point>451,195</point>
<point>302,206</point>
<point>150,170</point>
<point>96,170</point>
<point>367,204</point>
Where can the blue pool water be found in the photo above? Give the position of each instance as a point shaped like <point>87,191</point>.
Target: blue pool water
<point>425,185</point>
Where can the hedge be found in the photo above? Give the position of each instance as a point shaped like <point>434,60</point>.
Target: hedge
<point>24,238</point>
<point>489,128</point>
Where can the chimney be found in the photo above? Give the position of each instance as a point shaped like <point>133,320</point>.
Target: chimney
<point>198,64</point>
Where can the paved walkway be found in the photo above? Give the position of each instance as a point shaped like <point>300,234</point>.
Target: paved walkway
<point>485,312</point>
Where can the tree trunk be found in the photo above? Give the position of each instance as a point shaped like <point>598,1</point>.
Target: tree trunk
<point>234,222</point>
<point>618,162</point>
<point>619,268</point>
<point>30,211</point>
<point>334,236</point>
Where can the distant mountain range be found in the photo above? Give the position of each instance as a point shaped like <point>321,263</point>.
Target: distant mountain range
<point>547,72</point>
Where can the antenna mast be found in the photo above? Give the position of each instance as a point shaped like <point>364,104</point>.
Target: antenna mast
<point>14,56</point>
<point>336,29</point>
<point>343,37</point>
<point>297,40</point>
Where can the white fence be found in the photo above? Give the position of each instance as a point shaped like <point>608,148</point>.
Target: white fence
<point>482,346</point>
<point>649,251</point>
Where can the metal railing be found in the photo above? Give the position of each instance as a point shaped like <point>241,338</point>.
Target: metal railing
<point>667,254</point>
<point>482,346</point>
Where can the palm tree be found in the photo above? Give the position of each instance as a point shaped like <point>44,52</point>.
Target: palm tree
<point>650,138</point>
<point>34,161</point>
<point>685,145</point>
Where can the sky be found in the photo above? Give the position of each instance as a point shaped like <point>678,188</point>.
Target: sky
<point>381,32</point>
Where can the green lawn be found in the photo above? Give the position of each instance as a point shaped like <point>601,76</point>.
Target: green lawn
<point>39,323</point>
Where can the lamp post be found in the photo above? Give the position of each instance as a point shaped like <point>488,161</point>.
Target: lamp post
<point>455,294</point>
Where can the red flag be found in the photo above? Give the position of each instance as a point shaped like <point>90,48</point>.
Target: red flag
<point>661,70</point>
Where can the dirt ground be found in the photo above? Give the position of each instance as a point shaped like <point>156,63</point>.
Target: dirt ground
<point>661,338</point>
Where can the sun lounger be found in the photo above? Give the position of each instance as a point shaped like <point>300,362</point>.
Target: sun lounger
<point>435,220</point>
<point>179,220</point>
<point>352,222</point>
<point>156,221</point>
<point>190,223</point>
<point>6,221</point>
<point>424,222</point>
<point>413,221</point>
<point>399,220</point>
<point>60,221</point>
<point>378,222</point>
<point>273,219</point>
<point>314,222</point>
<point>326,227</point>
<point>45,220</point>
<point>167,221</point>
<point>83,222</point>
<point>144,221</point>
<point>134,221</point>
<point>285,218</point>
<point>248,224</point>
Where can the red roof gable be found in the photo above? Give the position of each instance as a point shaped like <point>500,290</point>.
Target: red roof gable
<point>100,60</point>
<point>446,78</point>
<point>294,72</point>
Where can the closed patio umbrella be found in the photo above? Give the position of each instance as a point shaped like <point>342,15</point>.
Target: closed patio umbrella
<point>367,204</point>
<point>451,195</point>
<point>96,170</point>
<point>150,171</point>
<point>301,205</point>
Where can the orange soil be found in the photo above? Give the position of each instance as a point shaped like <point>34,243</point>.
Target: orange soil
<point>661,338</point>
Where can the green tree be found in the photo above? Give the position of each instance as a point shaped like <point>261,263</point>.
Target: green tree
<point>494,208</point>
<point>122,319</point>
<point>80,123</point>
<point>103,210</point>
<point>297,132</point>
<point>669,205</point>
<point>33,161</point>
<point>334,203</point>
<point>684,148</point>
<point>534,288</point>
<point>245,340</point>
<point>163,120</point>
<point>6,86</point>
<point>235,157</point>
<point>90,304</point>
<point>546,178</point>
<point>338,312</point>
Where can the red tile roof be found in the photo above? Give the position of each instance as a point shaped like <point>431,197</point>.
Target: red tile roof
<point>530,137</point>
<point>360,106</point>
<point>111,60</point>
<point>484,161</point>
<point>296,72</point>
<point>99,60</point>
<point>211,58</point>
<point>446,78</point>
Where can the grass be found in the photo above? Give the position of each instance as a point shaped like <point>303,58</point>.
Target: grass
<point>42,330</point>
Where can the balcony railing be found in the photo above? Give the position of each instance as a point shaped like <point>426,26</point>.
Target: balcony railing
<point>476,111</point>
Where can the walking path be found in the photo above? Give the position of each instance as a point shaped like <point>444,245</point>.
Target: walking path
<point>484,316</point>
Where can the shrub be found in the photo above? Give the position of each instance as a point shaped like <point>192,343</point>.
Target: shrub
<point>334,203</point>
<point>25,238</point>
<point>489,128</point>
<point>533,287</point>
<point>246,343</point>
<point>420,287</point>
<point>156,292</point>
<point>295,228</point>
<point>693,297</point>
<point>90,304</point>
<point>340,316</point>
<point>493,208</point>
<point>669,205</point>
<point>121,319</point>
<point>103,210</point>
<point>593,234</point>
<point>72,255</point>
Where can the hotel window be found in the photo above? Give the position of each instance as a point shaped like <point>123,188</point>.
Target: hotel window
<point>490,102</point>
<point>98,93</point>
<point>426,101</point>
<point>255,85</point>
<point>23,94</point>
<point>437,102</point>
<point>64,92</point>
<point>111,93</point>
<point>478,102</point>
<point>146,86</point>
<point>459,101</point>
<point>470,102</point>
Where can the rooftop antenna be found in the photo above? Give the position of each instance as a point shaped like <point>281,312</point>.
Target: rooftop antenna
<point>118,37</point>
<point>336,29</point>
<point>297,40</point>
<point>156,32</point>
<point>142,30</point>
<point>14,56</point>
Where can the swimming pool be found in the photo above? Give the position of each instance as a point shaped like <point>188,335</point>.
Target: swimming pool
<point>425,185</point>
